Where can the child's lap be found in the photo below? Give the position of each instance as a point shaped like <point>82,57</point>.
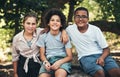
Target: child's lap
<point>65,66</point>
<point>88,64</point>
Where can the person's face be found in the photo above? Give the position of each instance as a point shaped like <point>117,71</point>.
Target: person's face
<point>55,23</point>
<point>30,25</point>
<point>81,18</point>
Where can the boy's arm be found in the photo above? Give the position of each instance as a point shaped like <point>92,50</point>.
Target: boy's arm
<point>64,37</point>
<point>100,60</point>
<point>106,52</point>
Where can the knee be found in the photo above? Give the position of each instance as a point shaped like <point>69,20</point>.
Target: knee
<point>60,73</point>
<point>99,73</point>
<point>114,72</point>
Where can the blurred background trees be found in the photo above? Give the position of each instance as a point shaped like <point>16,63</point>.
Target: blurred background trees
<point>103,13</point>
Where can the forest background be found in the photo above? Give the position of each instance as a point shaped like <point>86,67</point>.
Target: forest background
<point>103,13</point>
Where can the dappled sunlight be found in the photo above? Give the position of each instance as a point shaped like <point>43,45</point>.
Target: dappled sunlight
<point>5,55</point>
<point>113,40</point>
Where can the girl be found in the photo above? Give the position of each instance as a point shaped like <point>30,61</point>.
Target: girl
<point>25,53</point>
<point>55,55</point>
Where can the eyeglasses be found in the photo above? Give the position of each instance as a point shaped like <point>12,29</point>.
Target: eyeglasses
<point>80,16</point>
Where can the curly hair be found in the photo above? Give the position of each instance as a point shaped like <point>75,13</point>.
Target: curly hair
<point>50,13</point>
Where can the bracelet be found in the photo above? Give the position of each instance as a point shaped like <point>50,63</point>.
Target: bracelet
<point>44,62</point>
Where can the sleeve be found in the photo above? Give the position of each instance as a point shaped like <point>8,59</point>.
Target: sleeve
<point>41,40</point>
<point>15,52</point>
<point>101,39</point>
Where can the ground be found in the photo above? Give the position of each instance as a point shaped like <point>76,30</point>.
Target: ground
<point>7,71</point>
<point>6,68</point>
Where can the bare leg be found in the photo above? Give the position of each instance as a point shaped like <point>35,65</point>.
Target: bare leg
<point>114,72</point>
<point>44,75</point>
<point>60,73</point>
<point>99,73</point>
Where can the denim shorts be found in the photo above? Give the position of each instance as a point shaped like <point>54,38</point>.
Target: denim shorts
<point>88,64</point>
<point>65,66</point>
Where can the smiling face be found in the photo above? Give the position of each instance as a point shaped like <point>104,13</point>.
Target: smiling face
<point>81,18</point>
<point>55,23</point>
<point>30,25</point>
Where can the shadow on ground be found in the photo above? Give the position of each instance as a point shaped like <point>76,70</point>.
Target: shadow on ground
<point>6,70</point>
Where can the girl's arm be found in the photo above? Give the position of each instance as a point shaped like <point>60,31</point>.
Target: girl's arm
<point>68,58</point>
<point>42,54</point>
<point>44,59</point>
<point>15,68</point>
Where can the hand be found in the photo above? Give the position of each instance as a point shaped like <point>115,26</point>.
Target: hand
<point>56,65</point>
<point>100,61</point>
<point>47,66</point>
<point>15,75</point>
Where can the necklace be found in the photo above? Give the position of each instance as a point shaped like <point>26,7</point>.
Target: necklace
<point>28,40</point>
<point>29,43</point>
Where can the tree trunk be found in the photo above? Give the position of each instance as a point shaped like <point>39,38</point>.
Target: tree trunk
<point>106,26</point>
<point>71,11</point>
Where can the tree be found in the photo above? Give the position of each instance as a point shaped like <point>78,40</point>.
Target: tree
<point>109,8</point>
<point>72,4</point>
<point>13,10</point>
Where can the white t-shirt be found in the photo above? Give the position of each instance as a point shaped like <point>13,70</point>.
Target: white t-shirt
<point>88,43</point>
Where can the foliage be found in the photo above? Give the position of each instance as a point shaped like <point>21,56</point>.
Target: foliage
<point>113,40</point>
<point>5,44</point>
<point>5,34</point>
<point>72,4</point>
<point>12,10</point>
<point>110,8</point>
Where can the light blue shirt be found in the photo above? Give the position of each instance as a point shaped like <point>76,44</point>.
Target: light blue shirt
<point>88,43</point>
<point>53,45</point>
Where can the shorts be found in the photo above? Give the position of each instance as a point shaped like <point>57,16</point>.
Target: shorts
<point>88,64</point>
<point>65,66</point>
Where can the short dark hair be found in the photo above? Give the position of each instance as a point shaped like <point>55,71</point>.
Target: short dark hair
<point>82,8</point>
<point>50,13</point>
